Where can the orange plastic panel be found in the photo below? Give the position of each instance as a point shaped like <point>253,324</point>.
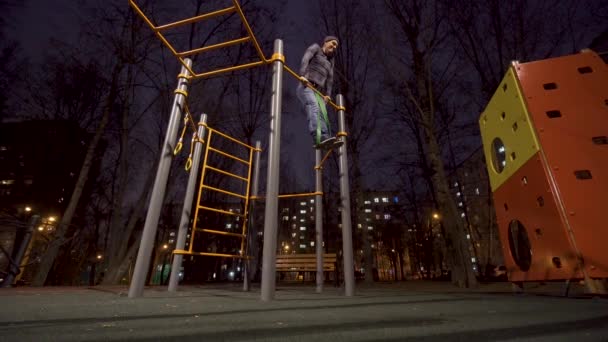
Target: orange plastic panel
<point>526,197</point>
<point>567,98</point>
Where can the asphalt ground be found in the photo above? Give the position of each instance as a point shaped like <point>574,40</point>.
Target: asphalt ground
<point>409,311</point>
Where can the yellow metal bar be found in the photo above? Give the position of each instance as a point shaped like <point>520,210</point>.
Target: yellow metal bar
<point>302,194</point>
<point>236,256</point>
<point>306,194</point>
<point>195,19</point>
<point>219,232</point>
<point>228,155</point>
<point>294,74</point>
<point>227,173</point>
<point>219,211</point>
<point>222,191</point>
<point>320,166</point>
<point>224,135</point>
<point>234,68</point>
<point>248,28</point>
<point>158,34</point>
<point>213,47</point>
<point>200,191</point>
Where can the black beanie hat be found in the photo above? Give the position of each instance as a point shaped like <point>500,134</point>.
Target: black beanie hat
<point>329,38</point>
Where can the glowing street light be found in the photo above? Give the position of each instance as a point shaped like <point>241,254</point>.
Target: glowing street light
<point>99,256</point>
<point>165,246</point>
<point>52,218</point>
<point>28,209</point>
<point>435,216</point>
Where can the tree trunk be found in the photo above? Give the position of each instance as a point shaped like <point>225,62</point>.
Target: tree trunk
<point>49,257</point>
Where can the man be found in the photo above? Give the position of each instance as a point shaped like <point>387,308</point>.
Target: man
<point>317,70</point>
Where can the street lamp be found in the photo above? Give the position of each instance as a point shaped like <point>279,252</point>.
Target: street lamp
<point>436,216</point>
<point>28,209</point>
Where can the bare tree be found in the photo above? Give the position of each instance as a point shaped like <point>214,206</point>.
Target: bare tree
<point>423,32</point>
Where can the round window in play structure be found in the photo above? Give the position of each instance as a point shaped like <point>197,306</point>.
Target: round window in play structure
<point>499,156</point>
<point>519,245</point>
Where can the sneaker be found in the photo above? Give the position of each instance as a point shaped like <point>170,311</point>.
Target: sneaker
<point>327,143</point>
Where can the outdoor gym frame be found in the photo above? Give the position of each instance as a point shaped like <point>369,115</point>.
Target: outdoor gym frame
<point>271,212</point>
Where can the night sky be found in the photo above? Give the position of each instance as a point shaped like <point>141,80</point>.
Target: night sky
<point>39,21</point>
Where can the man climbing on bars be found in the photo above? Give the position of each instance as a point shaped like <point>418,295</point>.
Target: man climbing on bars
<point>317,70</point>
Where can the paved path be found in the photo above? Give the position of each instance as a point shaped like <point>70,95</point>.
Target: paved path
<point>401,312</point>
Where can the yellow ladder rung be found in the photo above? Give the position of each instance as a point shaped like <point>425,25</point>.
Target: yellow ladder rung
<point>220,211</point>
<point>213,47</point>
<point>229,155</point>
<point>223,191</point>
<point>236,256</point>
<point>227,173</point>
<point>195,19</point>
<point>219,232</point>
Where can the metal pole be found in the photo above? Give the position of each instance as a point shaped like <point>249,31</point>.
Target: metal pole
<point>272,187</point>
<point>15,265</point>
<point>158,191</point>
<point>319,219</point>
<point>347,234</point>
<point>251,232</point>
<point>188,199</point>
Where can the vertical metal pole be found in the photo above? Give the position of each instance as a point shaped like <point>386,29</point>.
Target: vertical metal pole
<point>347,234</point>
<point>319,219</point>
<point>252,233</point>
<point>15,265</point>
<point>188,199</point>
<point>272,187</point>
<point>158,191</point>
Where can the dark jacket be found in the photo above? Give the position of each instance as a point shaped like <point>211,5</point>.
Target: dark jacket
<point>318,68</point>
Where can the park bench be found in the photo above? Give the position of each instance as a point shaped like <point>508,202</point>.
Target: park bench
<point>302,264</point>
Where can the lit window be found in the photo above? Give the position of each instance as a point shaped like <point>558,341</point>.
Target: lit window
<point>367,202</point>
<point>370,227</point>
<point>302,245</point>
<point>473,260</point>
<point>462,215</point>
<point>376,200</point>
<point>477,191</point>
<point>368,210</point>
<point>303,228</point>
<point>359,225</point>
<point>303,211</point>
<point>468,236</point>
<point>7,181</point>
<point>228,225</point>
<point>396,199</point>
<point>171,240</point>
<point>293,235</point>
<point>285,218</point>
<point>387,216</point>
<point>312,201</point>
<point>456,184</point>
<point>301,237</point>
<point>460,204</point>
<point>458,193</point>
<point>302,203</point>
<point>294,218</point>
<point>384,199</point>
<point>312,243</point>
<point>302,220</point>
<point>377,216</point>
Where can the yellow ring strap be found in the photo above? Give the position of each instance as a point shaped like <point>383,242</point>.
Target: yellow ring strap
<point>341,134</point>
<point>277,57</point>
<point>182,92</point>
